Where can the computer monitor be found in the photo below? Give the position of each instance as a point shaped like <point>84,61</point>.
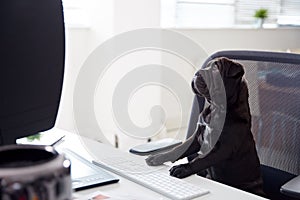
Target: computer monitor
<point>32,51</point>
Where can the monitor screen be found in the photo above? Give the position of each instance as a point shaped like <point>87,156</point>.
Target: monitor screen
<point>32,54</point>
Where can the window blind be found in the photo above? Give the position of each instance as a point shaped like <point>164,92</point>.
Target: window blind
<point>204,13</point>
<point>290,8</point>
<point>245,10</point>
<point>227,13</point>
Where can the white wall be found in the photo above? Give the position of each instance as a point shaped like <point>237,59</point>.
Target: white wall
<point>134,14</point>
<point>107,18</point>
<point>212,40</point>
<point>80,42</point>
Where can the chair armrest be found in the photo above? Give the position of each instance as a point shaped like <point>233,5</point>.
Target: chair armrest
<point>292,188</point>
<point>155,146</point>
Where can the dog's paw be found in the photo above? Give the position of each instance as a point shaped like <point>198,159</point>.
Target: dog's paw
<point>181,171</point>
<point>155,160</point>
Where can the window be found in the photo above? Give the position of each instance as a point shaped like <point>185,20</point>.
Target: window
<point>204,13</point>
<point>228,13</point>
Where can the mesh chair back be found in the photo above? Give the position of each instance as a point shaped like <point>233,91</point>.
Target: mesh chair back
<point>274,98</point>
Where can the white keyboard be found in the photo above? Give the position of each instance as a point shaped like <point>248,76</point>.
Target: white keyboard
<point>154,178</point>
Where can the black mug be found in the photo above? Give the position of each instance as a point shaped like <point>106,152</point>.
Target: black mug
<point>30,172</point>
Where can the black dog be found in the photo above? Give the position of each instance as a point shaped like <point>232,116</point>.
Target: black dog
<point>232,159</point>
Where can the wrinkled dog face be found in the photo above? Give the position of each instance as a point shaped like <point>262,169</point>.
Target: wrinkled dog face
<point>207,84</point>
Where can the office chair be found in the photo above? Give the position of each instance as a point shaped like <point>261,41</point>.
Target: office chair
<point>274,98</point>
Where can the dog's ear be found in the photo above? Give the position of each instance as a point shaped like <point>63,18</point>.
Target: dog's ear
<point>229,68</point>
<point>235,70</point>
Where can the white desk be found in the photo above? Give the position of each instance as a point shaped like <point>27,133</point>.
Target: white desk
<point>90,149</point>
